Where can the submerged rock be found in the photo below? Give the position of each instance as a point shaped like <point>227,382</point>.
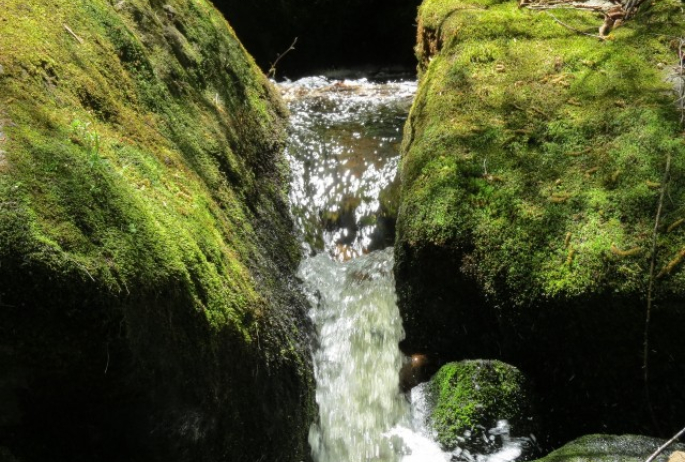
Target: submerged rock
<point>147,309</point>
<point>533,165</point>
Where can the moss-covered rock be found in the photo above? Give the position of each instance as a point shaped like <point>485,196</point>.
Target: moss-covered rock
<point>470,397</point>
<point>610,448</point>
<point>146,253</point>
<point>533,164</point>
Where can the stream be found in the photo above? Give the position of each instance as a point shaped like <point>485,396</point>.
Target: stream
<point>344,153</point>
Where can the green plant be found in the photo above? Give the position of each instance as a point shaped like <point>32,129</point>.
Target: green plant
<point>83,134</point>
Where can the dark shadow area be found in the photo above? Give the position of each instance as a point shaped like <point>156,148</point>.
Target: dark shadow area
<point>369,34</point>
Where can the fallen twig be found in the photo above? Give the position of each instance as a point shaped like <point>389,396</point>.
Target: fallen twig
<point>73,34</point>
<point>650,287</point>
<point>84,269</point>
<point>665,445</point>
<point>565,5</point>
<point>630,7</point>
<point>669,267</point>
<point>572,28</point>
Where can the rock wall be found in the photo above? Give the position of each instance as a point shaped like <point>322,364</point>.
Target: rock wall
<point>534,160</point>
<point>147,307</point>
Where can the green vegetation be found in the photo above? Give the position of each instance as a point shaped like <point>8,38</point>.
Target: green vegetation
<point>143,189</point>
<point>528,132</point>
<point>533,162</point>
<point>471,395</point>
<point>610,448</point>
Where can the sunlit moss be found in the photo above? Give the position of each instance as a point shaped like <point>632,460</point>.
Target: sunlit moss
<point>610,448</point>
<point>518,109</point>
<point>531,172</point>
<point>473,396</point>
<point>142,162</point>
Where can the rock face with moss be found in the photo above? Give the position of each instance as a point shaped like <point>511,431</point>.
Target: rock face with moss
<point>610,448</point>
<point>146,304</point>
<point>533,165</point>
<point>469,397</point>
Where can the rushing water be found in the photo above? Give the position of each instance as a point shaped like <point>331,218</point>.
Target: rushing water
<point>363,415</point>
<point>344,153</point>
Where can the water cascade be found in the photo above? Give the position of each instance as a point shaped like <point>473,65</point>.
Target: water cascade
<point>344,153</point>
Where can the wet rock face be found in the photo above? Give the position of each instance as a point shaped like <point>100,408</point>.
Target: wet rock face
<point>330,34</point>
<point>416,369</point>
<point>531,174</point>
<point>147,310</point>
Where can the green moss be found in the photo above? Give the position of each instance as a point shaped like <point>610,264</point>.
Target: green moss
<point>474,395</point>
<point>524,131</point>
<point>609,448</point>
<point>142,160</point>
<point>531,171</point>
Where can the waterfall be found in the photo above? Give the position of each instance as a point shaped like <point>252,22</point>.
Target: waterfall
<point>363,415</point>
<point>344,152</point>
<point>357,359</point>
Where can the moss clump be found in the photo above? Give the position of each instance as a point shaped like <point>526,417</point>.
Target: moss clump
<point>473,395</point>
<point>610,448</point>
<point>144,228</point>
<point>531,172</point>
<point>525,131</point>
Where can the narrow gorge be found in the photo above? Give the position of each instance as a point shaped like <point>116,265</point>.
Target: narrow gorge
<point>335,250</point>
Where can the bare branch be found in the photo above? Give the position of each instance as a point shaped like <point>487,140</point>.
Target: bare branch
<point>272,71</point>
<point>652,264</point>
<point>665,445</point>
<point>572,28</point>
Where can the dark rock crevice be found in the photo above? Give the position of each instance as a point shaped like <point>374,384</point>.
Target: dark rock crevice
<point>372,34</point>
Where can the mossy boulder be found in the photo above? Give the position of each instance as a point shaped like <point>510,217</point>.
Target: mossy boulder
<point>470,397</point>
<point>610,448</point>
<point>533,165</point>
<point>147,309</point>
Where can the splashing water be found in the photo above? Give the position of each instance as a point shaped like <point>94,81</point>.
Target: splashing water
<point>343,151</point>
<point>363,415</point>
<point>357,359</point>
